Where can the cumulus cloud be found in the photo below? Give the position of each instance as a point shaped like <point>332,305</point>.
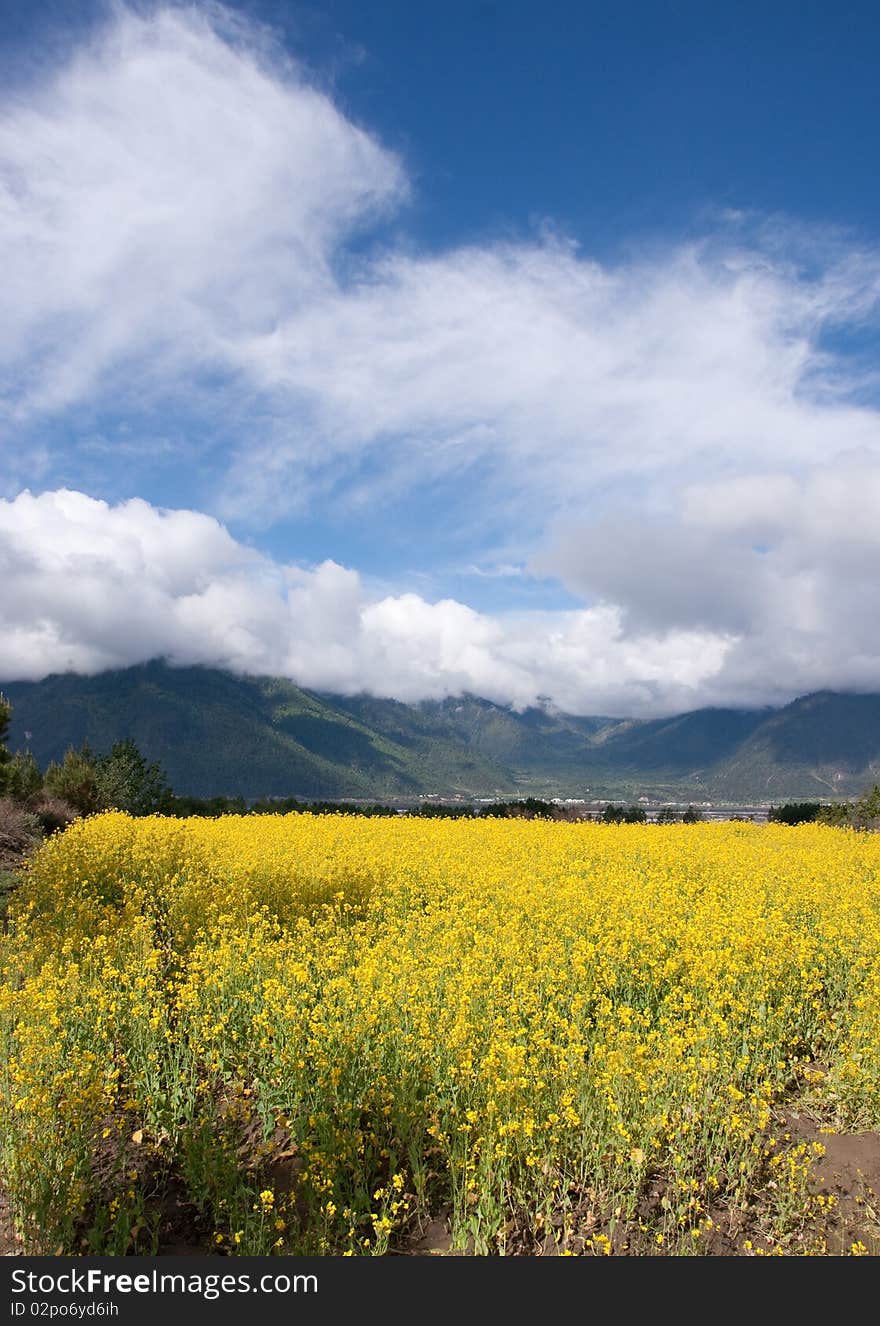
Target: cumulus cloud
<point>89,586</point>
<point>172,189</point>
<point>690,614</point>
<point>688,437</point>
<point>177,205</point>
<point>785,567</point>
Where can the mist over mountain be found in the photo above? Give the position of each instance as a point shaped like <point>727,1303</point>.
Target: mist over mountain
<point>218,733</point>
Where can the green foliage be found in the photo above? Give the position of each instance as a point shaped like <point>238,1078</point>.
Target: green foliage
<point>692,816</point>
<point>20,777</point>
<point>75,780</point>
<point>529,808</point>
<point>119,780</point>
<point>624,815</point>
<point>863,814</point>
<point>436,810</point>
<point>213,807</point>
<point>795,812</point>
<point>124,781</point>
<point>840,815</point>
<point>206,807</point>
<point>5,715</point>
<point>23,780</point>
<point>535,809</point>
<point>286,805</point>
<point>866,812</point>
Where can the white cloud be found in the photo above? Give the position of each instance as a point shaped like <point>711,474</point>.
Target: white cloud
<point>693,613</point>
<point>170,190</point>
<point>672,435</point>
<point>88,586</point>
<point>785,567</point>
<point>562,377</point>
<point>176,205</point>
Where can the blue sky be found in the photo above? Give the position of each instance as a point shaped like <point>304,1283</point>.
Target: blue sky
<point>619,122</point>
<point>526,350</point>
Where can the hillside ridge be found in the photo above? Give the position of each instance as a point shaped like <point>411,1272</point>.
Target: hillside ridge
<point>215,732</point>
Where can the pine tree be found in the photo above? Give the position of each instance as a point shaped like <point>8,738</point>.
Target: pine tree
<point>5,715</point>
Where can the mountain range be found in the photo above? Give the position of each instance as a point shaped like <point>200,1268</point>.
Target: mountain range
<point>215,733</point>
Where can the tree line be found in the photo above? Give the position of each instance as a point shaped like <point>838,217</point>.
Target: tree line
<point>85,782</point>
<point>863,813</point>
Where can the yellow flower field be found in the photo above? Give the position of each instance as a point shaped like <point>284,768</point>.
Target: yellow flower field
<point>320,1031</point>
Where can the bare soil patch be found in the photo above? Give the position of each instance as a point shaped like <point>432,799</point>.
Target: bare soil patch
<point>849,1174</point>
<point>847,1218</point>
<point>9,1242</point>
